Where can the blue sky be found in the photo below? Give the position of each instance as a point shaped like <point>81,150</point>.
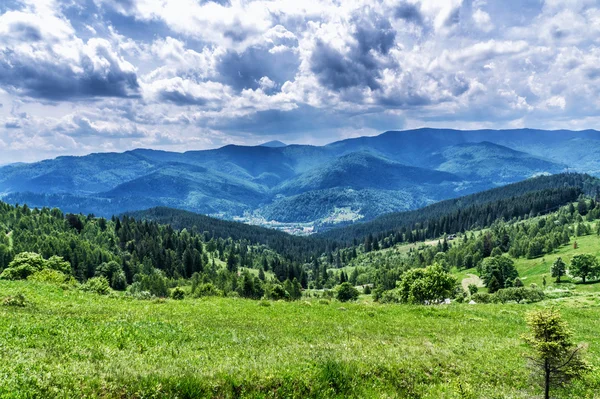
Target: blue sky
<point>81,76</point>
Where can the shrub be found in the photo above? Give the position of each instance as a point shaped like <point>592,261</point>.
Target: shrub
<point>178,293</point>
<point>367,290</point>
<point>390,296</point>
<point>27,263</point>
<point>136,293</point>
<point>346,292</point>
<point>276,292</point>
<point>23,265</point>
<point>473,289</point>
<point>482,297</point>
<point>207,289</point>
<point>155,283</point>
<point>519,295</point>
<point>16,300</point>
<point>53,277</point>
<point>99,285</point>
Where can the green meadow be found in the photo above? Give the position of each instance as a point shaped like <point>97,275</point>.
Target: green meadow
<point>65,343</point>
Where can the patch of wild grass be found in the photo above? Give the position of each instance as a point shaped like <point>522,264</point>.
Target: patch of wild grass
<point>74,344</point>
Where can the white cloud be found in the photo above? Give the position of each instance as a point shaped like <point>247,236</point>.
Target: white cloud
<point>170,72</point>
<point>482,20</point>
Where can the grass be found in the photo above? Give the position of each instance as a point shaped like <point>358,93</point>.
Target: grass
<point>70,344</point>
<point>534,270</point>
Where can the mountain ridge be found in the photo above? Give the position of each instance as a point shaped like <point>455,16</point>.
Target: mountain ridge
<point>253,183</point>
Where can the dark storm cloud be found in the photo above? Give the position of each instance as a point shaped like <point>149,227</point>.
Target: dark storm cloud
<point>337,71</point>
<point>244,70</point>
<point>409,12</point>
<point>358,68</point>
<point>59,82</point>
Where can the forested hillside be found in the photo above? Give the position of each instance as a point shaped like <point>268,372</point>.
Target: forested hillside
<point>139,255</point>
<point>161,248</point>
<point>531,196</point>
<point>296,184</point>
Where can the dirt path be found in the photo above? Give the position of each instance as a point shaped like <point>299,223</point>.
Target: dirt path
<point>472,279</point>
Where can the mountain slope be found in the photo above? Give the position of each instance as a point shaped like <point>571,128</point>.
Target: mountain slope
<point>491,162</point>
<point>392,222</point>
<point>363,170</point>
<point>192,188</point>
<point>391,172</point>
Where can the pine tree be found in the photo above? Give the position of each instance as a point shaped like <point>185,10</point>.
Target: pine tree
<point>555,356</point>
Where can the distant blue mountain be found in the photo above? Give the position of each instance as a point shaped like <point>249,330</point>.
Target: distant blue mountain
<point>273,144</point>
<point>366,176</point>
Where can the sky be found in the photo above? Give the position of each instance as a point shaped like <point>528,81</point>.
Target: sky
<point>82,76</point>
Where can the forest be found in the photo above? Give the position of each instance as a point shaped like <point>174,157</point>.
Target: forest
<point>154,252</point>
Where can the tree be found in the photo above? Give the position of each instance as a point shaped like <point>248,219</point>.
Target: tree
<point>113,273</point>
<point>232,262</point>
<point>493,284</point>
<point>346,292</point>
<point>585,266</point>
<point>558,269</point>
<point>554,356</point>
<point>353,276</point>
<point>432,283</point>
<point>500,268</point>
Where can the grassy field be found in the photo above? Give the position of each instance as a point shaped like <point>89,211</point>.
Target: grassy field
<point>70,344</point>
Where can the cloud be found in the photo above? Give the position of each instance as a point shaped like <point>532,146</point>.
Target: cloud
<point>111,74</point>
<point>42,57</point>
<point>483,21</point>
<point>409,12</point>
<point>361,59</point>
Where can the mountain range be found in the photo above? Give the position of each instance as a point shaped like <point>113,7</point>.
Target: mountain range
<point>342,182</point>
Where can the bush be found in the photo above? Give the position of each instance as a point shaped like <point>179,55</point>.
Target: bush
<point>178,293</point>
<point>99,285</point>
<point>53,277</point>
<point>16,300</point>
<point>136,293</point>
<point>390,296</point>
<point>431,284</point>
<point>27,263</point>
<point>276,292</point>
<point>346,292</point>
<point>482,297</point>
<point>23,265</point>
<point>207,289</point>
<point>367,290</point>
<point>155,283</point>
<point>473,289</point>
<point>519,295</point>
